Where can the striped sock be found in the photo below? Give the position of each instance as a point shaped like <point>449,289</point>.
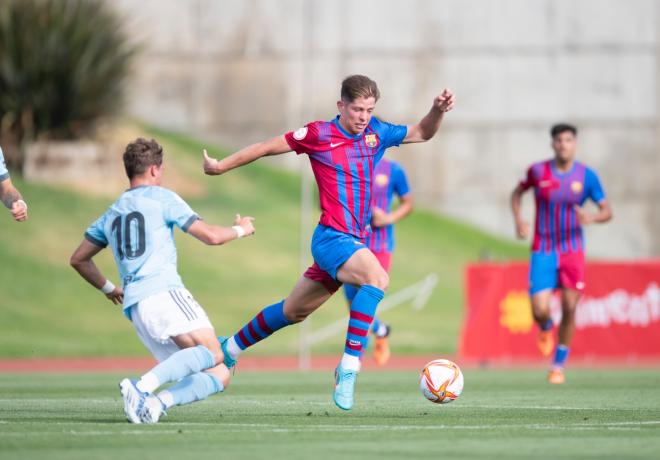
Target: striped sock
<point>561,354</point>
<point>362,314</point>
<point>267,321</point>
<point>350,291</point>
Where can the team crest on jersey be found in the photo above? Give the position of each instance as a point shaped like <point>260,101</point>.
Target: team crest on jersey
<point>371,140</point>
<point>382,180</point>
<point>300,134</point>
<point>576,186</point>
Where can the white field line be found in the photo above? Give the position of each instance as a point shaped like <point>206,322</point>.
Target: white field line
<point>171,427</point>
<point>235,400</point>
<point>419,292</point>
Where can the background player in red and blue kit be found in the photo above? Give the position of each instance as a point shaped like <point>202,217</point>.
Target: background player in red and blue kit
<point>343,153</point>
<point>561,187</point>
<point>389,180</point>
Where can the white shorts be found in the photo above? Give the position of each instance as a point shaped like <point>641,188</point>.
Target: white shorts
<point>167,314</point>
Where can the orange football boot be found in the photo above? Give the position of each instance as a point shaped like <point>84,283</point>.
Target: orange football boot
<point>382,351</point>
<point>556,376</point>
<point>545,342</point>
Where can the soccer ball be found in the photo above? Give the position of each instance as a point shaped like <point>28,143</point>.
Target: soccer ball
<point>441,381</point>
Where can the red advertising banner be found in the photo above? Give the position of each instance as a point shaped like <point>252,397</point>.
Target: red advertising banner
<point>617,317</point>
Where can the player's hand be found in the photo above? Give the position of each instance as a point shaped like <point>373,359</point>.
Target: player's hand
<point>583,216</point>
<point>245,222</point>
<point>210,165</point>
<point>445,101</point>
<point>19,210</point>
<point>116,296</point>
<point>380,218</point>
<point>522,229</point>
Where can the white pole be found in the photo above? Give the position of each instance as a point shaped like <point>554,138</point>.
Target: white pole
<point>304,350</point>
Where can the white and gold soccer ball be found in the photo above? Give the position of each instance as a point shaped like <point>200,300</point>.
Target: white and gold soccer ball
<point>441,381</point>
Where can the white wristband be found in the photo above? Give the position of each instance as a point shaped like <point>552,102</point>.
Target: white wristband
<point>23,203</point>
<point>240,231</point>
<point>108,287</point>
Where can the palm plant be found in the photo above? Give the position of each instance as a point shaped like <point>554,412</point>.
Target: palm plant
<point>62,67</point>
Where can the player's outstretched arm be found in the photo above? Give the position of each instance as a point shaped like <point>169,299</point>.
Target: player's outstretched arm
<point>522,227</point>
<point>81,261</point>
<point>216,235</point>
<point>428,126</point>
<point>13,200</point>
<point>274,146</point>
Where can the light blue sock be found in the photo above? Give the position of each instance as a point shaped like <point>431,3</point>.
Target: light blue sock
<point>192,388</point>
<point>179,365</point>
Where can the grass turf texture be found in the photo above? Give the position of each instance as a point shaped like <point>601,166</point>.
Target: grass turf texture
<point>506,414</point>
<point>48,310</point>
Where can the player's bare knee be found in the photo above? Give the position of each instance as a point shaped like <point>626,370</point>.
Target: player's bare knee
<point>379,279</point>
<point>221,373</point>
<point>218,357</point>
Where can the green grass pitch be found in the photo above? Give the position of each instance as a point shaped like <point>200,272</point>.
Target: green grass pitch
<point>613,413</point>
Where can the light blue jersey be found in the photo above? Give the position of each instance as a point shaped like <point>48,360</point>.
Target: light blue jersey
<point>139,227</point>
<point>4,174</point>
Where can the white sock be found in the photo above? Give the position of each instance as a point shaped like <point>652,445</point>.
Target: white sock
<point>148,383</point>
<point>166,398</point>
<point>350,363</point>
<point>232,348</point>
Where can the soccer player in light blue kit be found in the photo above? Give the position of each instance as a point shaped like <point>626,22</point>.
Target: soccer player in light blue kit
<point>9,195</point>
<point>138,227</point>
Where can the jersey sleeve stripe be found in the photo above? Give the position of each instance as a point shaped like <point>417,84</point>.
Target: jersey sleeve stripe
<point>194,218</point>
<point>95,241</point>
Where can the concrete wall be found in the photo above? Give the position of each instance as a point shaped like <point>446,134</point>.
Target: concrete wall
<point>241,70</point>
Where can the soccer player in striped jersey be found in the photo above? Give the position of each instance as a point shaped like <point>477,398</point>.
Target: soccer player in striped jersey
<point>389,180</point>
<point>343,153</point>
<point>139,229</point>
<point>561,188</point>
<point>9,195</point>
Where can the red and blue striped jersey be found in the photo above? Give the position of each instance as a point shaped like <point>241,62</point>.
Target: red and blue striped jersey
<point>389,180</point>
<point>343,165</point>
<point>557,228</point>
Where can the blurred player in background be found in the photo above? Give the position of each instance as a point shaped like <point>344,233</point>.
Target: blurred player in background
<point>9,195</point>
<point>389,180</point>
<point>561,187</point>
<point>139,228</point>
<point>343,153</point>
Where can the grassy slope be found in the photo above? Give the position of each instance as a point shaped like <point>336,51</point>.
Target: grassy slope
<point>501,414</point>
<point>47,310</point>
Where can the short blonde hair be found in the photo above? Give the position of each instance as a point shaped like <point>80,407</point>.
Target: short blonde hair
<point>356,86</point>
